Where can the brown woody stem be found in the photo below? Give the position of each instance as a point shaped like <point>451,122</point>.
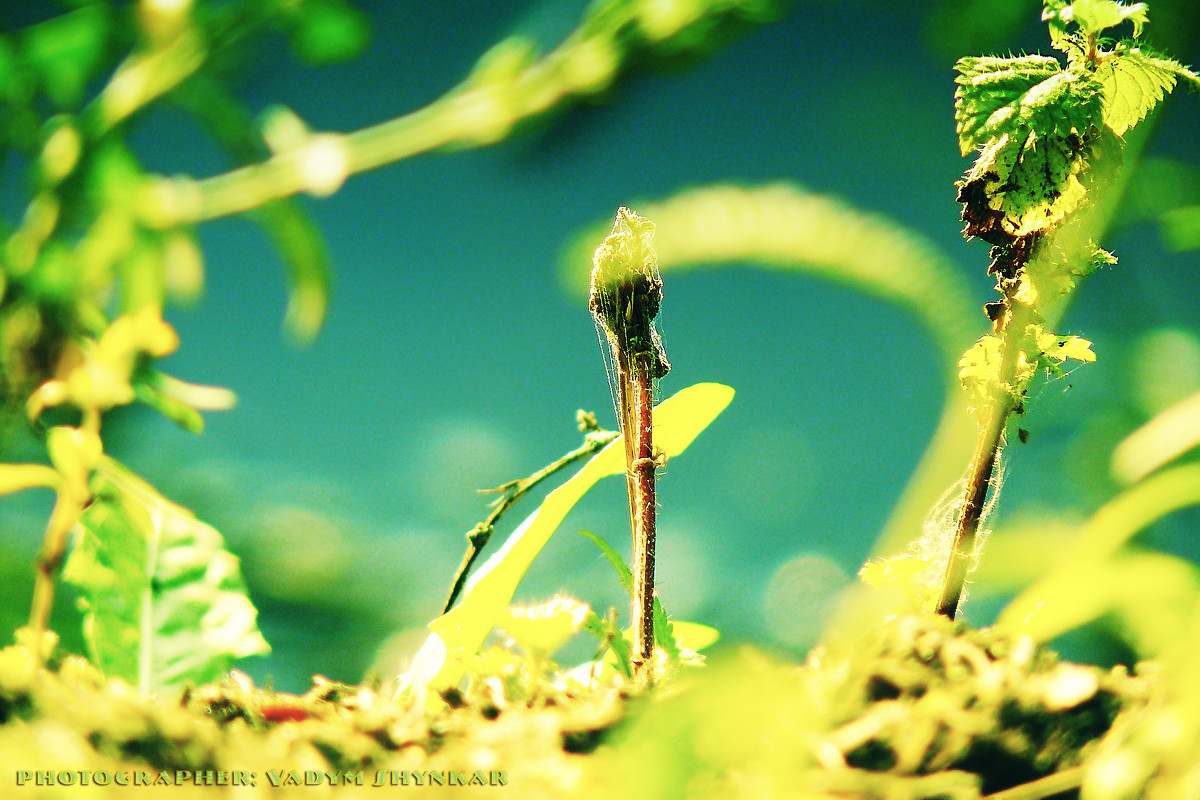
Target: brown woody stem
<point>642,475</point>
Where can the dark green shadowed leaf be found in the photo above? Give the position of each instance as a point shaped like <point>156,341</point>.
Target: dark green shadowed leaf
<point>67,51</point>
<point>163,600</point>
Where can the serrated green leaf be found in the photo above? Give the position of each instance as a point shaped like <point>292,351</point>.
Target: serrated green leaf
<point>1094,16</point>
<point>1022,187</point>
<point>989,99</point>
<point>1060,348</point>
<point>1134,82</point>
<point>1032,120</point>
<point>164,602</point>
<point>457,634</point>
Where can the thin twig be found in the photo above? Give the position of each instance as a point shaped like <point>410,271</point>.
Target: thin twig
<point>1052,784</point>
<point>595,439</point>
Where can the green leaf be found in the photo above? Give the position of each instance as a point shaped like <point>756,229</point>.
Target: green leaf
<point>1094,16</point>
<point>1166,437</point>
<point>172,408</point>
<point>1060,348</point>
<point>664,633</point>
<point>68,50</point>
<point>299,241</point>
<point>1151,594</point>
<point>616,652</point>
<point>1034,122</point>
<point>995,95</point>
<point>329,31</point>
<point>1134,82</point>
<point>457,634</point>
<point>1022,188</point>
<point>1098,15</point>
<point>164,602</point>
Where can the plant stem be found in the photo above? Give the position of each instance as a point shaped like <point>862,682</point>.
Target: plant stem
<point>49,559</point>
<point>625,295</point>
<point>1052,784</point>
<point>983,464</point>
<point>642,476</point>
<point>595,439</point>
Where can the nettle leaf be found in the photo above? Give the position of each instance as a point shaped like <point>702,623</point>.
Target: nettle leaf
<point>1094,16</point>
<point>988,101</point>
<point>979,367</point>
<point>1033,121</point>
<point>1134,82</point>
<point>163,600</point>
<point>1060,348</point>
<point>458,634</point>
<point>1015,189</point>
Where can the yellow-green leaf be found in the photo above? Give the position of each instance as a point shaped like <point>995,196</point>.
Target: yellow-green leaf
<point>458,634</point>
<point>1164,438</point>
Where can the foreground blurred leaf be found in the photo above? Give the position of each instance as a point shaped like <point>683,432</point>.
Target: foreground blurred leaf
<point>164,601</point>
<point>459,633</point>
<point>1099,574</point>
<point>1160,441</point>
<point>1150,594</point>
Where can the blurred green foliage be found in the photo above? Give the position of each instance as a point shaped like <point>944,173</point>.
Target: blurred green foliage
<point>100,245</point>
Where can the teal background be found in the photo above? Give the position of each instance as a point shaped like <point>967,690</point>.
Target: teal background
<point>453,358</point>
